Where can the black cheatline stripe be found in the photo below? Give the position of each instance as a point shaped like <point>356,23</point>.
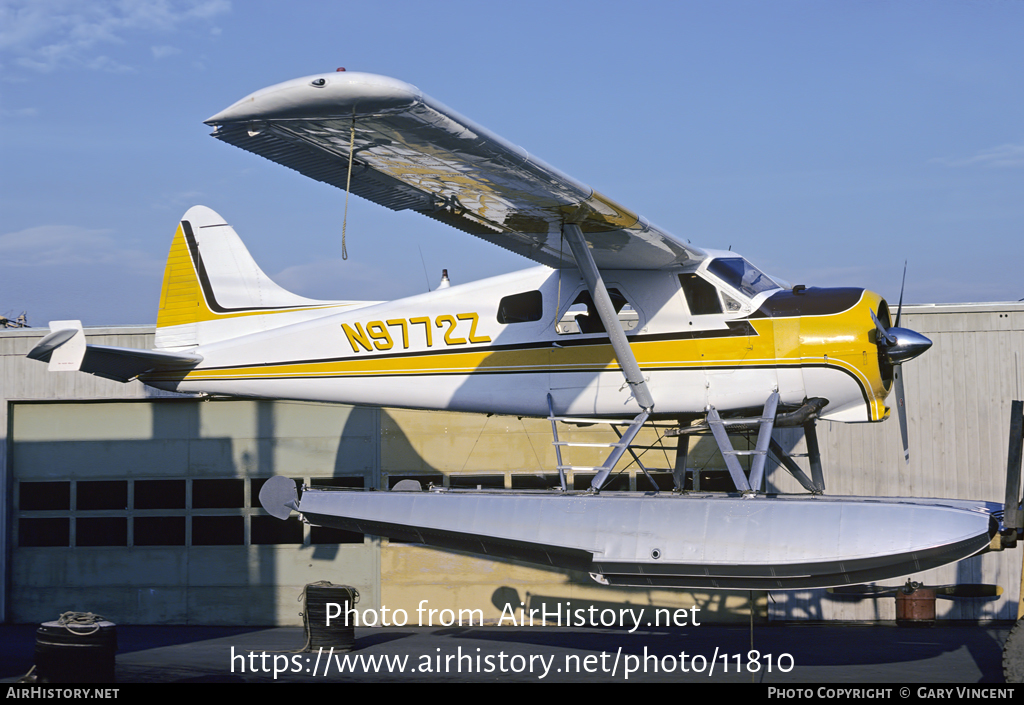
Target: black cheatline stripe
<point>736,329</point>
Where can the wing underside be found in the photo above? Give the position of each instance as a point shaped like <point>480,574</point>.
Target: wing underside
<point>408,151</point>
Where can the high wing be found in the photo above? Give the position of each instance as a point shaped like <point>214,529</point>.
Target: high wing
<point>408,151</point>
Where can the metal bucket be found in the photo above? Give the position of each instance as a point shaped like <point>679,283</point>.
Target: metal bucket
<point>75,654</point>
<point>341,634</point>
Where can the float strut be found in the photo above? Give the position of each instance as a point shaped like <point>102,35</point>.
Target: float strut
<point>814,455</point>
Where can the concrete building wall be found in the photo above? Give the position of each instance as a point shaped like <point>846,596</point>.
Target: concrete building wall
<point>212,556</point>
<point>21,378</point>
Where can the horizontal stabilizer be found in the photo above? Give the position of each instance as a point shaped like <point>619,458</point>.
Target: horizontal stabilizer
<point>65,349</point>
<point>125,364</point>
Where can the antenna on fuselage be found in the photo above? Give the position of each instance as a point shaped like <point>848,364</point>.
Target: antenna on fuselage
<point>425,275</point>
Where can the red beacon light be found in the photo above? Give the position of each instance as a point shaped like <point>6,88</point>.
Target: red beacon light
<point>340,68</point>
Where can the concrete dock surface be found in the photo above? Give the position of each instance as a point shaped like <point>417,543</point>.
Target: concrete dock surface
<point>782,654</point>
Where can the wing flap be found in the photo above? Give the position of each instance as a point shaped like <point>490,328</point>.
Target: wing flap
<point>412,152</point>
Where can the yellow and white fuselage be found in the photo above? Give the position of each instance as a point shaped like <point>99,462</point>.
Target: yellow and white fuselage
<point>502,344</point>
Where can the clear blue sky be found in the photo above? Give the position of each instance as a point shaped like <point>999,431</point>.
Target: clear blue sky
<point>826,141</point>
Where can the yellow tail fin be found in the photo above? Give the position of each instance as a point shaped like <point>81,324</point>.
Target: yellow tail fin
<point>214,290</point>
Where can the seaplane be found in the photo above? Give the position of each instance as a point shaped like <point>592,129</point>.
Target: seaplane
<point>618,322</point>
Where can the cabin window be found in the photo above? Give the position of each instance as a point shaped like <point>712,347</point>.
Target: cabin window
<point>701,295</point>
<point>582,316</point>
<point>731,304</point>
<point>742,276</point>
<point>520,308</point>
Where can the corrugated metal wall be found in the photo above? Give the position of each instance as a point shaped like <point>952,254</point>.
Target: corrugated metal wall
<point>958,401</point>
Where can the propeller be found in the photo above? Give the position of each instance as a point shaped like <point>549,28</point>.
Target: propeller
<point>899,345</point>
<point>859,592</point>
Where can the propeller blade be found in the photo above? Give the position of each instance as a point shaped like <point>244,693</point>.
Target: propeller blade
<point>882,332</point>
<point>968,590</point>
<point>864,591</point>
<point>950,591</point>
<point>899,309</point>
<point>901,409</point>
<point>898,345</point>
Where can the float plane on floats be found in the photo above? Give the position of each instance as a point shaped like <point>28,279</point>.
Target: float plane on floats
<point>621,322</point>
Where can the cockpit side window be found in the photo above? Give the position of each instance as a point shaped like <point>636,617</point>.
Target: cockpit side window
<point>742,275</point>
<point>701,296</point>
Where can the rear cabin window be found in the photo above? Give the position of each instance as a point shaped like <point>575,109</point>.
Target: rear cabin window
<point>582,316</point>
<point>520,308</point>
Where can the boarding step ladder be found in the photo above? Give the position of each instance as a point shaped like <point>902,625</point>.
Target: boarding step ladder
<point>617,449</point>
<point>760,452</point>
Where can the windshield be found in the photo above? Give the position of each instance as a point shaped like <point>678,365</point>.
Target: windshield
<point>742,275</point>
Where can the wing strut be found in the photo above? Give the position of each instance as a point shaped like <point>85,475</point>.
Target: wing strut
<point>605,309</point>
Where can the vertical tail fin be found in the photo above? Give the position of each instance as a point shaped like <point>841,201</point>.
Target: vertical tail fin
<point>214,290</point>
